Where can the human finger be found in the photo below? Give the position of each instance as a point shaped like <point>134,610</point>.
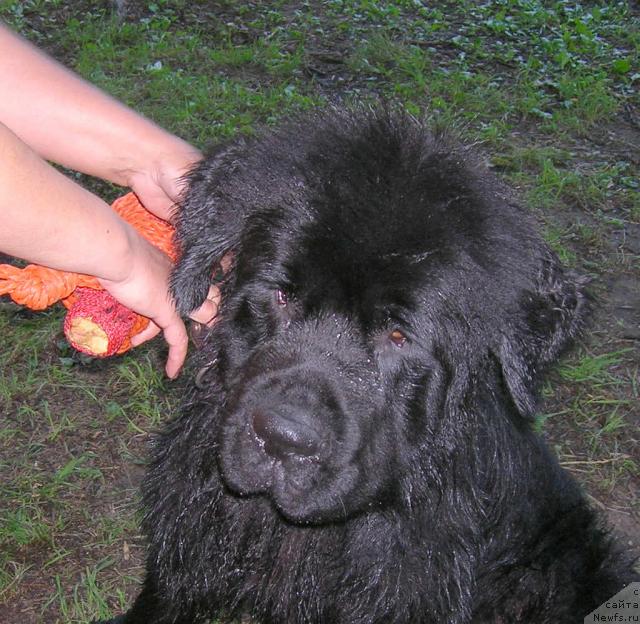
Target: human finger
<point>208,311</point>
<point>149,332</point>
<point>175,335</point>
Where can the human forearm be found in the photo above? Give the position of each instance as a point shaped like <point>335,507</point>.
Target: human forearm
<point>67,120</point>
<point>48,219</point>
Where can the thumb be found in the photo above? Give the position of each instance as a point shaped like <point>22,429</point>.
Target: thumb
<point>207,312</point>
<point>149,332</point>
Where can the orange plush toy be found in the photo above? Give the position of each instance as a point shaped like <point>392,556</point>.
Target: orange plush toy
<point>95,322</point>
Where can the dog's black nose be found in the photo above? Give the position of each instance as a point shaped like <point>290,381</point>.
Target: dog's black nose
<point>286,432</point>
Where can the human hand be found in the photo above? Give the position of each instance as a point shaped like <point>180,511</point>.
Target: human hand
<point>145,290</point>
<point>159,182</point>
<point>158,185</point>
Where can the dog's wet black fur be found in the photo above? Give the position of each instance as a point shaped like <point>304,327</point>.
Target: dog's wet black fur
<point>358,446</point>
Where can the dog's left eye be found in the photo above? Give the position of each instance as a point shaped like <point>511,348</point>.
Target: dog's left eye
<point>398,338</point>
<point>281,298</point>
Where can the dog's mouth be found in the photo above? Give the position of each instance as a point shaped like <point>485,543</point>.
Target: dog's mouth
<point>295,435</point>
<point>271,454</point>
<point>292,455</point>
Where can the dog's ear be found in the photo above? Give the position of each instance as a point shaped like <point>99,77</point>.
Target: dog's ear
<point>208,222</point>
<point>548,318</point>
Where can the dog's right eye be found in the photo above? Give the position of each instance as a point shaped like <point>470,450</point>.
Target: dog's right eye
<point>398,338</point>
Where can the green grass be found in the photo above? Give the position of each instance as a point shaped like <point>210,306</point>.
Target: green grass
<point>209,104</point>
<point>88,598</point>
<point>592,369</point>
<point>59,433</point>
<point>543,88</point>
<point>601,400</point>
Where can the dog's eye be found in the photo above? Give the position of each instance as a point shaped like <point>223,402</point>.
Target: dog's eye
<point>398,338</point>
<point>281,298</point>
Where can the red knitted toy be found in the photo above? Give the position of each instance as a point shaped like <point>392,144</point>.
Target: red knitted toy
<point>95,322</point>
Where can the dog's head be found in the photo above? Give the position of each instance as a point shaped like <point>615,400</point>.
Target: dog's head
<point>379,277</point>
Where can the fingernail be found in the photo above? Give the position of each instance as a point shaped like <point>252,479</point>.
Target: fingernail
<point>196,333</point>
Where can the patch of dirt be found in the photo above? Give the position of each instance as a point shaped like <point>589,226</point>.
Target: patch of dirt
<point>82,544</point>
<point>623,306</point>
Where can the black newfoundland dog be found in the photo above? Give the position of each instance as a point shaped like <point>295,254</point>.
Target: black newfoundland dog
<point>357,445</point>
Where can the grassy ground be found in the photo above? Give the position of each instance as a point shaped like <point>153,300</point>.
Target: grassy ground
<point>549,91</point>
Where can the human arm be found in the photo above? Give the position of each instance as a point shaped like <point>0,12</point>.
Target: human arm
<point>48,219</point>
<point>71,122</point>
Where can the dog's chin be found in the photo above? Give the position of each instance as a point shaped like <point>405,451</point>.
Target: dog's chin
<point>289,484</point>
